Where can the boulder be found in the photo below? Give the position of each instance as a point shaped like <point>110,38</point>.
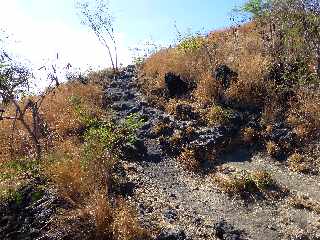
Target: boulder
<point>284,137</point>
<point>225,75</point>
<point>170,215</point>
<point>175,85</point>
<point>171,234</point>
<point>223,230</point>
<point>133,151</point>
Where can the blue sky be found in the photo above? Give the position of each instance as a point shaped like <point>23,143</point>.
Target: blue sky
<point>41,28</point>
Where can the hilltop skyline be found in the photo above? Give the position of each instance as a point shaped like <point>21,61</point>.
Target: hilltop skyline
<point>39,29</point>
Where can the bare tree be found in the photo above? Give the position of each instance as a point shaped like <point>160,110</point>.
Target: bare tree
<point>15,81</point>
<point>97,16</point>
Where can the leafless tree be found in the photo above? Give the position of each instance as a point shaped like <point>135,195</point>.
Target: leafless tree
<point>15,80</point>
<point>97,16</point>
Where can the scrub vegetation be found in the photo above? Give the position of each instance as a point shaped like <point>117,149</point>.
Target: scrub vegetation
<point>254,86</point>
<point>267,69</point>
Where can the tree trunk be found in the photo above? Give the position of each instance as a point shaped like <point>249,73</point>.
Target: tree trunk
<point>34,138</point>
<point>32,135</point>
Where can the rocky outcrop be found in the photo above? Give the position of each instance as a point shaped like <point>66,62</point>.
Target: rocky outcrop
<point>225,75</point>
<point>175,85</point>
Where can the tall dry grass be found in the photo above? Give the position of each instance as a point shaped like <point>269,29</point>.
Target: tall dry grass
<point>58,114</point>
<point>240,48</point>
<point>81,179</point>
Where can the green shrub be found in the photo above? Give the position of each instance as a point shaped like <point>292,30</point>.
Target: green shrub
<point>217,115</point>
<point>190,44</point>
<point>102,136</point>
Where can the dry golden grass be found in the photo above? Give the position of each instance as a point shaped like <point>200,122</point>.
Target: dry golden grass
<point>216,115</point>
<point>59,115</point>
<point>304,202</point>
<point>70,179</point>
<point>60,101</point>
<point>245,50</point>
<point>100,211</point>
<point>248,135</point>
<point>62,124</point>
<point>302,163</point>
<point>172,104</point>
<point>125,225</point>
<point>80,172</point>
<point>238,183</point>
<point>272,148</point>
<point>84,185</point>
<point>98,219</point>
<point>188,160</point>
<point>13,144</point>
<point>241,49</point>
<point>161,128</point>
<point>304,115</point>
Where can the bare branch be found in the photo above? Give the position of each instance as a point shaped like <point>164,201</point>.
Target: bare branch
<point>98,17</point>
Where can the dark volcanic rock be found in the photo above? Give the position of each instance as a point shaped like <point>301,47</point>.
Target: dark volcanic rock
<point>170,214</point>
<point>225,75</point>
<point>281,134</point>
<point>30,211</point>
<point>175,85</point>
<point>225,231</point>
<point>285,138</point>
<point>133,151</point>
<point>172,234</point>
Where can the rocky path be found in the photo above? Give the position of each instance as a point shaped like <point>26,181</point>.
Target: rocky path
<point>186,205</point>
<point>180,204</point>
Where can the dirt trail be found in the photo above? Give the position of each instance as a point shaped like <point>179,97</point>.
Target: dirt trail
<point>167,197</point>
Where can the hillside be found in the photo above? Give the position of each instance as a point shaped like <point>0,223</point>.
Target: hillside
<point>209,139</point>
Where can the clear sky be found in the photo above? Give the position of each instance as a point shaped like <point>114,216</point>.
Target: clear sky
<point>41,28</point>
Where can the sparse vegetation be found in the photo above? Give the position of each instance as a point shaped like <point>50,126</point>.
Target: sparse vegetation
<point>189,160</point>
<point>272,149</point>
<point>232,94</point>
<point>274,57</point>
<point>217,115</point>
<point>249,135</point>
<point>98,17</point>
<point>80,151</point>
<point>304,202</point>
<point>300,163</point>
<point>161,129</point>
<point>245,182</point>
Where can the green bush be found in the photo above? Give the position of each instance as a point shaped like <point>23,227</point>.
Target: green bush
<point>291,32</point>
<point>190,44</point>
<point>218,115</point>
<point>105,136</point>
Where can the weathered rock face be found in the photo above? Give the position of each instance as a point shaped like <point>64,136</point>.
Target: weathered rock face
<point>175,85</point>
<point>225,75</point>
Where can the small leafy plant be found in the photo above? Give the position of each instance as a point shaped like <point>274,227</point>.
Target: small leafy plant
<point>218,115</point>
<point>190,44</point>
